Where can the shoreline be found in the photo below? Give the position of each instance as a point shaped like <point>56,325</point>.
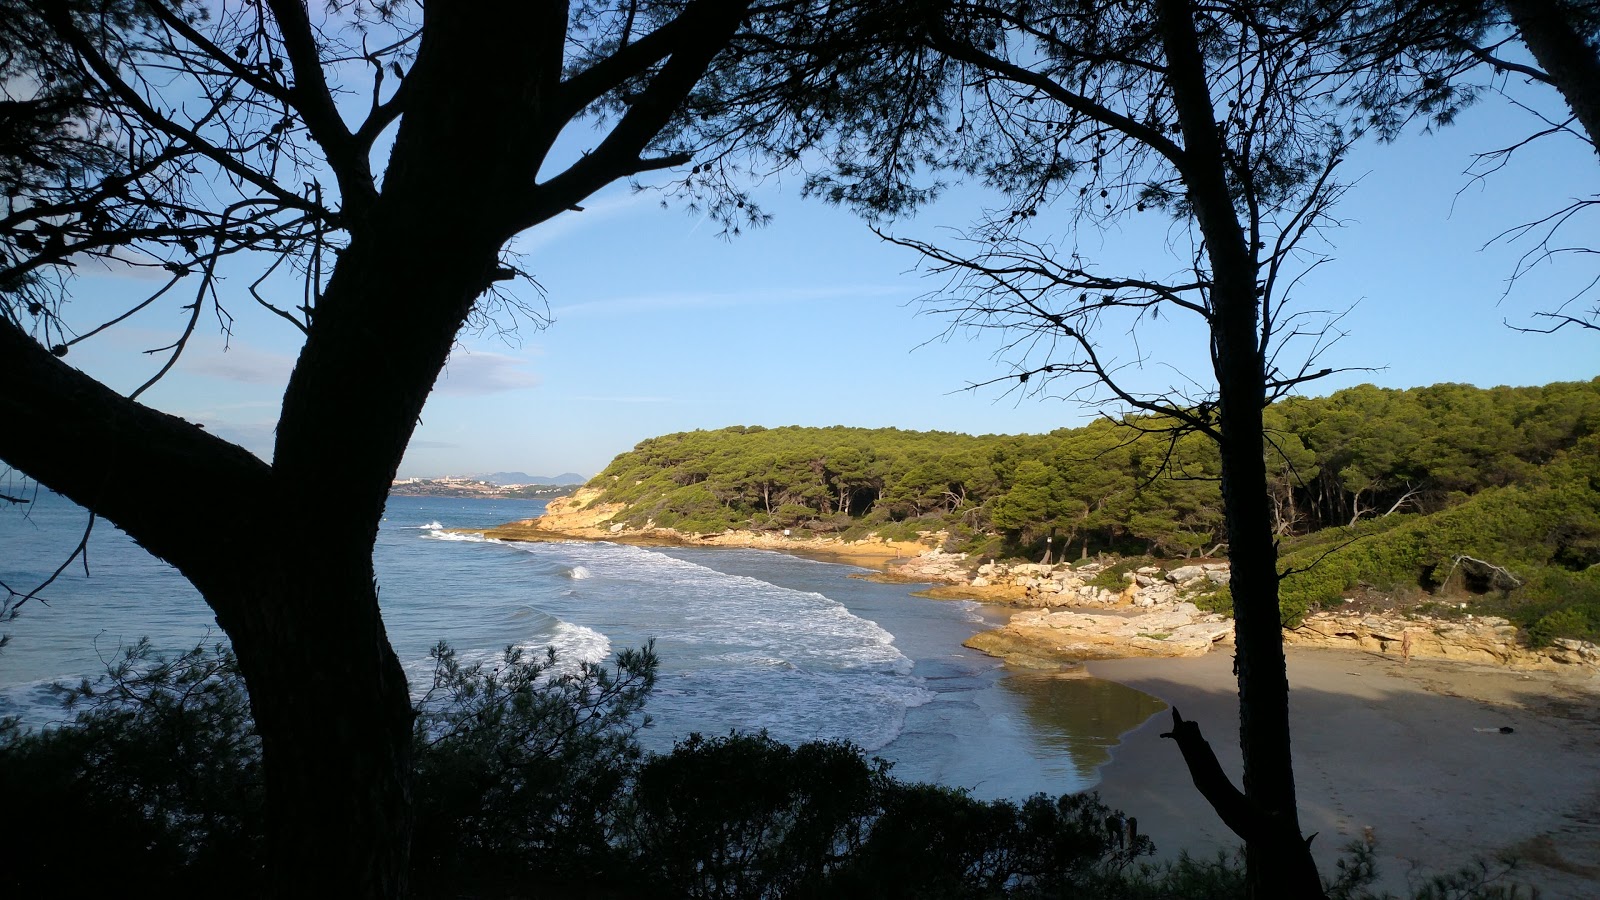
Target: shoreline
<point>1378,743</point>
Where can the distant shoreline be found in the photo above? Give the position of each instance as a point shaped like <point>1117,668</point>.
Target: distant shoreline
<point>525,492</point>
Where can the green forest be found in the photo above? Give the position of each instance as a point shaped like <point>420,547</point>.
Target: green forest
<point>1378,487</point>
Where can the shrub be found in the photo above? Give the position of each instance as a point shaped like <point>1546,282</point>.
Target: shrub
<point>1112,577</point>
<point>1217,601</point>
<point>530,780</point>
<point>157,781</point>
<point>523,763</point>
<point>528,774</point>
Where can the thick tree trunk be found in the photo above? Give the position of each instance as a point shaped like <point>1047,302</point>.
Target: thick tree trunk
<point>485,101</point>
<point>333,711</point>
<point>1549,29</point>
<point>1279,863</point>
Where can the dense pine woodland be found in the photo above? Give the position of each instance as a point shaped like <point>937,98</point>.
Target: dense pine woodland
<point>1383,489</point>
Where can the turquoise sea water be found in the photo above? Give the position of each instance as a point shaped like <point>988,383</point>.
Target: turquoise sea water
<point>748,639</point>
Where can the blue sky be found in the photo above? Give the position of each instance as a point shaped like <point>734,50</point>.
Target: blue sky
<point>661,326</point>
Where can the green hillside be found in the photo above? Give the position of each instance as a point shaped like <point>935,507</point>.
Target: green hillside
<point>1384,488</point>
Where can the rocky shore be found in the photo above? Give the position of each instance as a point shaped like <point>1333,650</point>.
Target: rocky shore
<point>580,518</point>
<point>1067,614</point>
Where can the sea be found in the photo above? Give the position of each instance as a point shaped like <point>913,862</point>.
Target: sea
<point>749,640</point>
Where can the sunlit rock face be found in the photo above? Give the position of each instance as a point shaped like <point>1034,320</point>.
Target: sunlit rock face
<point>1480,639</point>
<point>1173,629</point>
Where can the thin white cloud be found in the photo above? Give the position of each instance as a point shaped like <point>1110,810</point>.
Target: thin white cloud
<point>241,363</point>
<point>635,399</point>
<point>595,212</point>
<point>470,373</point>
<point>258,437</point>
<point>676,300</point>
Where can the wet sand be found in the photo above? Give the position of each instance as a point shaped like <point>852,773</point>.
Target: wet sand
<point>1392,748</point>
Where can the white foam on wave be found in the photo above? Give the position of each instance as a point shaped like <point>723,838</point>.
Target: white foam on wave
<point>868,709</point>
<point>579,643</point>
<point>435,525</point>
<point>473,537</point>
<point>574,646</point>
<point>739,652</point>
<point>701,606</point>
<point>37,703</point>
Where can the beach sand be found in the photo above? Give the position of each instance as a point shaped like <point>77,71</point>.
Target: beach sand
<point>1390,747</point>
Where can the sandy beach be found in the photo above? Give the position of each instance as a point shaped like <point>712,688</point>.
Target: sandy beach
<point>1394,748</point>
<point>1412,752</point>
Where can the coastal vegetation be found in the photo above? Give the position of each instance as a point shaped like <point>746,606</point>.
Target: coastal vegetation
<point>530,780</point>
<point>1371,488</point>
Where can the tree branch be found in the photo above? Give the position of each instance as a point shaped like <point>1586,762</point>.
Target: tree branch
<point>81,439</point>
<point>1236,810</point>
<point>314,101</point>
<point>708,25</point>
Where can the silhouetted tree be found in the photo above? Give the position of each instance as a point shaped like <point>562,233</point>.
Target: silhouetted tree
<point>1225,116</point>
<point>176,135</point>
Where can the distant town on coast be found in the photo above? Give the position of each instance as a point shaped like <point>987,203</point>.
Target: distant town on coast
<point>496,485</point>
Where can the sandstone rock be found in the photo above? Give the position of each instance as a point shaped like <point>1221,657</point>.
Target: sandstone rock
<point>1489,640</point>
<point>1177,630</point>
<point>980,581</point>
<point>1219,576</point>
<point>1143,580</point>
<point>1185,573</point>
<point>1574,652</point>
<point>1148,570</point>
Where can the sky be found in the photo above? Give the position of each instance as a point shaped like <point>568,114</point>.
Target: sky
<point>659,325</point>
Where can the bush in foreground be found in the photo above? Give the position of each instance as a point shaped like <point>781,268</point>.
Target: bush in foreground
<point>530,782</point>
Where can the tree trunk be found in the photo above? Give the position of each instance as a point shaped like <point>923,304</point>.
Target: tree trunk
<point>1548,28</point>
<point>1278,861</point>
<point>484,104</point>
<point>333,711</point>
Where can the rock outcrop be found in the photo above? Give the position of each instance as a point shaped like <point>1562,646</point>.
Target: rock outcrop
<point>1474,639</point>
<point>1042,637</point>
<point>1070,615</point>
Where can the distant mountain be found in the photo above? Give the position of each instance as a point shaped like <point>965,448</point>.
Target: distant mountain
<point>525,478</point>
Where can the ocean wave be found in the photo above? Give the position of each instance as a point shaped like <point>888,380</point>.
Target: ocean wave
<point>37,703</point>
<point>579,643</point>
<point>475,537</point>
<point>435,525</point>
<point>792,706</point>
<point>971,611</point>
<point>738,651</point>
<point>714,612</point>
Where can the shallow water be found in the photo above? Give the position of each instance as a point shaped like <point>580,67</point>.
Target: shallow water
<point>748,639</point>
